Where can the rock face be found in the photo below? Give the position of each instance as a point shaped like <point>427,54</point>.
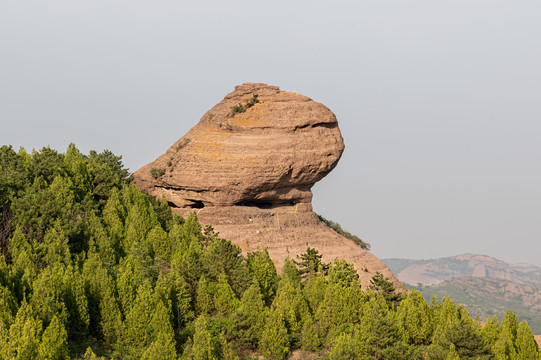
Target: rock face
<point>247,169</point>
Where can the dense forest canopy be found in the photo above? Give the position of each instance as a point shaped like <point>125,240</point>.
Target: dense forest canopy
<point>92,267</point>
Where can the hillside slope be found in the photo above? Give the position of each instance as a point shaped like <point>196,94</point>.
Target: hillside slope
<point>435,271</point>
<point>487,286</point>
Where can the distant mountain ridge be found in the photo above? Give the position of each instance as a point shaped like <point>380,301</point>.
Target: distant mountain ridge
<point>436,271</point>
<point>485,297</point>
<point>487,286</point>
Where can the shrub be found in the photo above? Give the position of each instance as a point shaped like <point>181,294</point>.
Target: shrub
<point>237,109</point>
<point>183,143</point>
<point>156,173</point>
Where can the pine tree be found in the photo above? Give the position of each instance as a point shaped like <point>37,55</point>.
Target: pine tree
<point>250,316</point>
<point>89,355</point>
<point>310,339</point>
<point>159,244</point>
<point>225,300</point>
<point>464,333</point>
<point>114,215</point>
<point>310,262</point>
<point>55,246</point>
<point>274,343</point>
<point>340,306</point>
<point>527,348</point>
<point>292,306</point>
<point>290,272</point>
<point>24,335</point>
<point>414,318</point>
<point>505,347</point>
<point>130,277</point>
<point>452,355</point>
<point>140,220</point>
<point>162,348</point>
<point>226,349</point>
<point>344,348</point>
<point>314,291</point>
<point>111,318</point>
<point>264,271</point>
<point>491,331</point>
<point>203,347</point>
<point>54,342</point>
<point>137,327</point>
<point>203,297</point>
<point>182,302</point>
<point>343,274</point>
<point>105,245</point>
<point>382,285</point>
<point>221,256</point>
<point>378,334</point>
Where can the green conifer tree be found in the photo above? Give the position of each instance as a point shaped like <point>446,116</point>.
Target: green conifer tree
<point>182,302</point>
<point>226,350</point>
<point>310,337</point>
<point>203,297</point>
<point>137,326</point>
<point>250,316</point>
<point>89,355</point>
<point>344,347</point>
<point>24,335</point>
<point>55,246</point>
<point>310,262</point>
<point>114,215</point>
<point>290,302</point>
<point>378,334</point>
<point>343,274</point>
<point>452,355</point>
<point>221,256</point>
<point>491,331</point>
<point>203,347</point>
<point>225,300</point>
<point>290,272</point>
<point>274,343</point>
<point>162,348</point>
<point>111,318</point>
<point>160,247</point>
<point>382,285</point>
<point>505,347</point>
<point>264,271</point>
<point>314,290</point>
<point>341,306</point>
<point>414,319</point>
<point>54,342</point>
<point>527,348</point>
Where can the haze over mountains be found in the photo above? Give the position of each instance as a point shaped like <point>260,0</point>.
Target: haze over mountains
<point>435,271</point>
<point>487,286</point>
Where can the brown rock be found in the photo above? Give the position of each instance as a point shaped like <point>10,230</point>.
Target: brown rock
<point>247,168</point>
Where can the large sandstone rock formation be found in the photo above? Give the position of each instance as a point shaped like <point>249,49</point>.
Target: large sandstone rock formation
<point>247,169</point>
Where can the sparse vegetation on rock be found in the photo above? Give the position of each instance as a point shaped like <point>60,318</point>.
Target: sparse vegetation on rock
<point>156,173</point>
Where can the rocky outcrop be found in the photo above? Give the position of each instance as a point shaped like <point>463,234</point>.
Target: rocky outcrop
<point>247,169</point>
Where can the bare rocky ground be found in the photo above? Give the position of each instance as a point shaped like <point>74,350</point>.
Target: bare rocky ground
<point>247,169</point>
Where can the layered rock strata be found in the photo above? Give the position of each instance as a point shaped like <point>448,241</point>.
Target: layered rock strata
<point>247,169</point>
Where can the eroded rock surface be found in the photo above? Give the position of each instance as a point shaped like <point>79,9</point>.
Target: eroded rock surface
<point>247,168</point>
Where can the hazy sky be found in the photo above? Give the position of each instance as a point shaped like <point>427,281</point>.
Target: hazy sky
<point>439,102</point>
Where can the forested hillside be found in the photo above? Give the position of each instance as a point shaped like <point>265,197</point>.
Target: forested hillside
<point>91,267</point>
<point>486,297</point>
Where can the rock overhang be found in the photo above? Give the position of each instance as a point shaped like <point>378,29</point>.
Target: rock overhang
<point>259,146</point>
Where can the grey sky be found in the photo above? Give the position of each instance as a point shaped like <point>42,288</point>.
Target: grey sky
<point>438,101</point>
